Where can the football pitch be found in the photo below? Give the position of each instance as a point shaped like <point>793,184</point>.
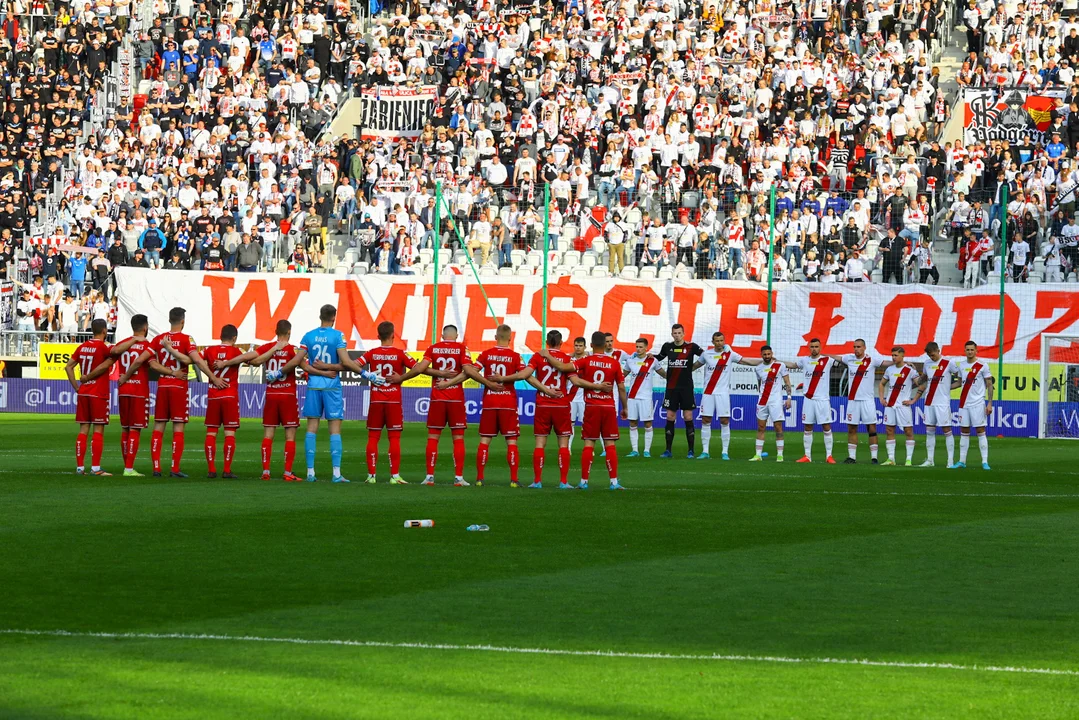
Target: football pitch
<point>708,589</point>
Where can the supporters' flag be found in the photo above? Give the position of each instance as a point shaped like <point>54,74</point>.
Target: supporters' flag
<point>597,221</point>
<point>1039,107</point>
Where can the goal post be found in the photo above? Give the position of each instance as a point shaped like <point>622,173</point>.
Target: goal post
<point>1058,393</point>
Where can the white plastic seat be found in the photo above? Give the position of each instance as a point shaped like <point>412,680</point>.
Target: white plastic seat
<point>600,272</point>
<point>505,271</point>
<point>352,256</point>
<point>525,271</point>
<point>427,256</point>
<point>599,246</point>
<point>517,257</point>
<point>648,272</point>
<point>360,268</point>
<point>684,275</point>
<point>629,272</point>
<point>459,257</point>
<point>579,272</point>
<point>739,274</point>
<point>445,257</point>
<point>589,259</point>
<point>341,269</point>
<point>665,273</point>
<point>488,271</point>
<point>535,259</point>
<point>571,259</point>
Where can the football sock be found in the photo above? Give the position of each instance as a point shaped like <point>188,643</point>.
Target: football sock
<point>612,462</point>
<point>572,434</point>
<point>538,457</point>
<point>336,451</point>
<point>779,447</point>
<point>563,464</point>
<point>290,454</point>
<point>481,459</point>
<point>513,459</point>
<point>828,443</point>
<point>852,449</point>
<point>586,462</point>
<point>124,437</point>
<point>807,443</point>
<point>634,438</point>
<point>309,442</point>
<point>931,443</point>
<point>156,441</point>
<point>431,455</point>
<point>395,452</point>
<point>949,445</point>
<point>648,439</point>
<point>177,450</point>
<point>691,436</point>
<point>910,449</point>
<point>983,447</point>
<point>209,447</point>
<point>80,450</point>
<point>373,436</point>
<point>964,445</point>
<point>267,453</point>
<point>760,446</point>
<point>459,455</point>
<point>725,436</point>
<point>97,445</point>
<point>133,439</point>
<point>706,437</point>
<point>230,451</point>
<point>873,449</point>
<point>890,445</point>
<point>669,434</point>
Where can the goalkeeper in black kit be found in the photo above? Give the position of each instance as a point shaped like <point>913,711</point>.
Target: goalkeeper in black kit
<point>678,371</point>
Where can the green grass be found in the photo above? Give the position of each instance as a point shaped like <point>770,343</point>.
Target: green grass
<point>698,558</point>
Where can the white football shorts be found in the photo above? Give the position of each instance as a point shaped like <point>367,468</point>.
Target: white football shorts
<point>716,406</point>
<point>899,416</point>
<point>639,409</point>
<point>938,416</point>
<point>861,412</point>
<point>816,411</point>
<point>773,412</point>
<point>973,415</point>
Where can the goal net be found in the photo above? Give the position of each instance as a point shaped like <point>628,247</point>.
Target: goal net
<point>1058,407</point>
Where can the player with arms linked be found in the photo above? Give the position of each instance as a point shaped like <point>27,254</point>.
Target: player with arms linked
<point>679,355</point>
<point>134,389</point>
<point>94,361</point>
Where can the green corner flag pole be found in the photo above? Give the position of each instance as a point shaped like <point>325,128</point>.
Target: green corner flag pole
<point>472,264</point>
<point>436,244</point>
<point>1003,272</point>
<point>771,251</point>
<point>546,252</point>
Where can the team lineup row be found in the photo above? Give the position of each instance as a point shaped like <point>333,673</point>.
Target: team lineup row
<point>592,389</point>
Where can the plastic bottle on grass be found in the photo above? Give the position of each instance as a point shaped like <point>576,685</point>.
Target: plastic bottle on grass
<point>477,528</point>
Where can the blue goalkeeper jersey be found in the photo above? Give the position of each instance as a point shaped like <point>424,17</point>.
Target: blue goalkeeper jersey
<point>322,344</point>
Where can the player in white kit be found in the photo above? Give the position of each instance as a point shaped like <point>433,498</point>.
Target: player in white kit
<point>897,394</point>
<point>817,402</point>
<point>576,395</point>
<point>938,374</point>
<point>975,403</point>
<point>640,370</point>
<point>861,400</point>
<point>771,405</point>
<point>716,398</point>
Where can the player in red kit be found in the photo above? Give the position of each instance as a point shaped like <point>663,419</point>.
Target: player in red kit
<point>390,363</point>
<point>280,407</point>
<point>553,408</point>
<point>600,415</point>
<point>446,407</point>
<point>92,410</point>
<point>499,413</point>
<point>134,390</point>
<point>223,404</point>
<point>175,351</point>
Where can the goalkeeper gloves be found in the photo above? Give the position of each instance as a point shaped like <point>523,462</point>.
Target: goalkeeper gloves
<point>372,378</point>
<point>273,376</point>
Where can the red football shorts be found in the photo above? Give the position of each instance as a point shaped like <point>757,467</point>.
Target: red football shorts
<point>281,410</point>
<point>442,413</point>
<point>171,405</point>
<point>223,412</point>
<point>498,421</point>
<point>553,418</point>
<point>385,415</point>
<point>600,422</point>
<point>134,411</point>
<point>92,410</point>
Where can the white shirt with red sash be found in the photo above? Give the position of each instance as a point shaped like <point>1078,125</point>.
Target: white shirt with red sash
<point>770,380</point>
<point>938,392</point>
<point>718,366</point>
<point>972,375</point>
<point>640,376</point>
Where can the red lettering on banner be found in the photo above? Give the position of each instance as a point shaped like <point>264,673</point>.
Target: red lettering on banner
<point>893,313</point>
<point>444,292</point>
<point>572,322</point>
<point>824,306</point>
<point>255,296</point>
<point>614,303</point>
<point>964,309</point>
<point>1048,301</point>
<point>688,299</point>
<point>479,319</point>
<point>354,317</point>
<point>733,325</point>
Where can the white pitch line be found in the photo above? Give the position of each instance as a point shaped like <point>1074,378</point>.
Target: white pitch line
<point>547,651</point>
<point>881,493</point>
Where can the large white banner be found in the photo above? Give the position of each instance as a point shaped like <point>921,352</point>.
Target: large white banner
<point>883,315</point>
<point>394,112</point>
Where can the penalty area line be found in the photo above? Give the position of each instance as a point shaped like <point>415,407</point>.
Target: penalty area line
<point>546,651</point>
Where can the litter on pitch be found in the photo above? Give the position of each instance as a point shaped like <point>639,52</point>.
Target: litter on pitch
<point>477,528</point>
<point>419,523</point>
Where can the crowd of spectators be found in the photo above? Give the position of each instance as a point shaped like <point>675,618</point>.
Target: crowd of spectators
<point>660,128</point>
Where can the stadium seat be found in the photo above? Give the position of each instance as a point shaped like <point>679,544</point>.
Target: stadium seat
<point>571,259</point>
<point>505,271</point>
<point>554,258</point>
<point>993,278</point>
<point>739,275</point>
<point>632,216</point>
<point>648,272</point>
<point>535,259</point>
<point>579,272</point>
<point>427,256</point>
<point>525,271</point>
<point>352,256</point>
<point>665,273</point>
<point>1038,267</point>
<point>1035,278</point>
<point>629,272</point>
<point>341,269</point>
<point>684,274</point>
<point>1073,278</point>
<point>876,276</point>
<point>429,271</point>
<point>600,272</point>
<point>445,257</point>
<point>599,246</point>
<point>487,271</point>
<point>589,259</point>
<point>798,275</point>
<point>459,257</point>
<point>360,268</point>
<point>517,257</point>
